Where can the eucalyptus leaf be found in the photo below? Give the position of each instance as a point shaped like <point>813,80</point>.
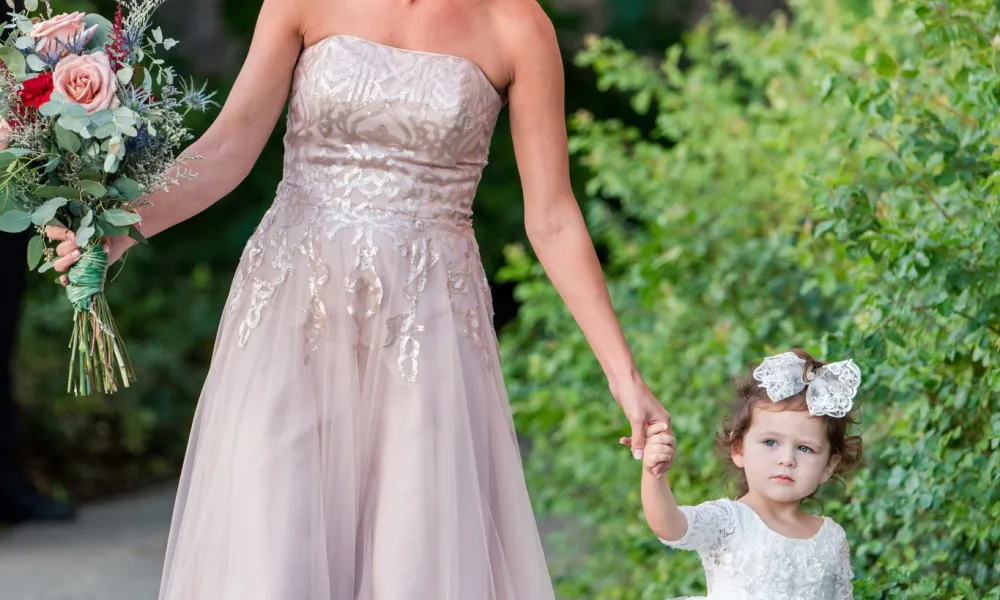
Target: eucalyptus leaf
<point>52,165</point>
<point>169,43</point>
<point>128,130</point>
<point>36,249</point>
<point>25,25</point>
<point>135,234</point>
<point>129,189</point>
<point>102,117</point>
<point>125,75</point>
<point>17,152</point>
<point>14,61</point>
<point>6,160</point>
<point>66,139</point>
<point>83,235</point>
<point>46,212</point>
<point>93,188</point>
<point>51,108</point>
<point>46,267</point>
<point>119,217</point>
<point>14,221</point>
<point>34,63</point>
<point>105,131</point>
<point>71,123</point>
<point>103,32</point>
<point>76,110</point>
<point>110,163</point>
<point>30,5</point>
<point>158,35</point>
<point>24,43</point>
<point>88,218</point>
<point>110,230</point>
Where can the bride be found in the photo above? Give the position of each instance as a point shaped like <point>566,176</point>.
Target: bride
<point>354,440</point>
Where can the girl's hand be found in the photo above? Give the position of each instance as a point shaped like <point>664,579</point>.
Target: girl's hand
<point>661,447</point>
<point>69,252</point>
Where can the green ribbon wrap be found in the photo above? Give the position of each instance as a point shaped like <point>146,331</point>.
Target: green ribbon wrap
<point>98,360</point>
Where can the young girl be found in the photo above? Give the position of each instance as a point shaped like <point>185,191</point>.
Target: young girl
<point>786,435</point>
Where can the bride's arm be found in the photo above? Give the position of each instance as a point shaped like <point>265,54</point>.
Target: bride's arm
<point>232,144</point>
<point>553,221</point>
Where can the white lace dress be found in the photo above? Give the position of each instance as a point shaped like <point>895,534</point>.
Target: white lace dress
<point>744,559</point>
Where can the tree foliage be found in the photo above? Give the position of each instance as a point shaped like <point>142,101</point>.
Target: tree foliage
<point>826,182</point>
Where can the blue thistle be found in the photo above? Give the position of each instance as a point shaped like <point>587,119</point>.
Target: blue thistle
<point>194,98</point>
<point>140,141</point>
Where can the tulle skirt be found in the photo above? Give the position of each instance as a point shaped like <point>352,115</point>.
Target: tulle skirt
<point>354,440</point>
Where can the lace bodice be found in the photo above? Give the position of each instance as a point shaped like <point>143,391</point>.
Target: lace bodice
<point>384,150</point>
<point>744,559</point>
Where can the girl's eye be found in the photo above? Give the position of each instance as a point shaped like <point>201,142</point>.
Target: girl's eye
<point>770,443</point>
<point>806,449</point>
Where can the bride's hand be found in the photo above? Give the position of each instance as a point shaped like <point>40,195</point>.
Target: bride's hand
<point>641,409</point>
<point>69,252</point>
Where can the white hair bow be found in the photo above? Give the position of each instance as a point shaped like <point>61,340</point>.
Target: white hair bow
<point>831,388</point>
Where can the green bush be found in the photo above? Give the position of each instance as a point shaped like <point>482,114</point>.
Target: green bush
<point>827,182</point>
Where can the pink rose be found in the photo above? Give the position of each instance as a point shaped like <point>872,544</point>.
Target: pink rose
<point>61,28</point>
<point>5,133</point>
<point>87,80</point>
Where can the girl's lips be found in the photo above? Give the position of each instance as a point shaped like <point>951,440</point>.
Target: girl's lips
<point>783,479</point>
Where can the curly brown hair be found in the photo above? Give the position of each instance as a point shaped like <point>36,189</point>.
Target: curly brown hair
<point>750,395</point>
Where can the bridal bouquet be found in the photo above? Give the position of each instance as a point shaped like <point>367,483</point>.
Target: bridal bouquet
<point>91,122</point>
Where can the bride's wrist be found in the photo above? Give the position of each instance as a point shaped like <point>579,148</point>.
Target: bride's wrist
<point>623,378</point>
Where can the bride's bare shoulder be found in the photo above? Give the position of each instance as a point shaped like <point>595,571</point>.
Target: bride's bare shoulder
<point>524,29</point>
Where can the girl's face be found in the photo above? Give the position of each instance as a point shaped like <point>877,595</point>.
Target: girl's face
<point>785,455</point>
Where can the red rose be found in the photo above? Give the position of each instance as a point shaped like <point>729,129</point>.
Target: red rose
<point>36,91</point>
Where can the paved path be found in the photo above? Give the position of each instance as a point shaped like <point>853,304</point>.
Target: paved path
<point>114,551</point>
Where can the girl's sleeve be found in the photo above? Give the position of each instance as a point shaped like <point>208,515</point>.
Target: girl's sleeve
<point>844,588</point>
<point>709,525</point>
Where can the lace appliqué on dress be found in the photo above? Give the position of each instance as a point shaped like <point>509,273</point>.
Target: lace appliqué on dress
<point>743,558</point>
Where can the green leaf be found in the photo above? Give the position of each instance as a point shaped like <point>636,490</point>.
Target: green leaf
<point>135,234</point>
<point>125,75</point>
<point>15,221</point>
<point>158,35</point>
<point>76,110</point>
<point>110,163</point>
<point>93,188</point>
<point>169,43</point>
<point>105,131</point>
<point>36,249</point>
<point>46,267</point>
<point>128,130</point>
<point>128,188</point>
<point>34,63</point>
<point>30,5</point>
<point>103,32</point>
<point>102,117</point>
<point>51,108</point>
<point>52,165</point>
<point>885,65</point>
<point>14,61</point>
<point>24,43</point>
<point>67,140</point>
<point>71,123</point>
<point>83,235</point>
<point>46,212</point>
<point>119,217</point>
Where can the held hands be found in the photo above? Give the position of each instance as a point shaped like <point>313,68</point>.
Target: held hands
<point>642,410</point>
<point>69,252</point>
<point>661,447</point>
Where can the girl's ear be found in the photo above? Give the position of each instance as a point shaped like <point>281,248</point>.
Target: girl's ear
<point>736,450</point>
<point>831,467</point>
